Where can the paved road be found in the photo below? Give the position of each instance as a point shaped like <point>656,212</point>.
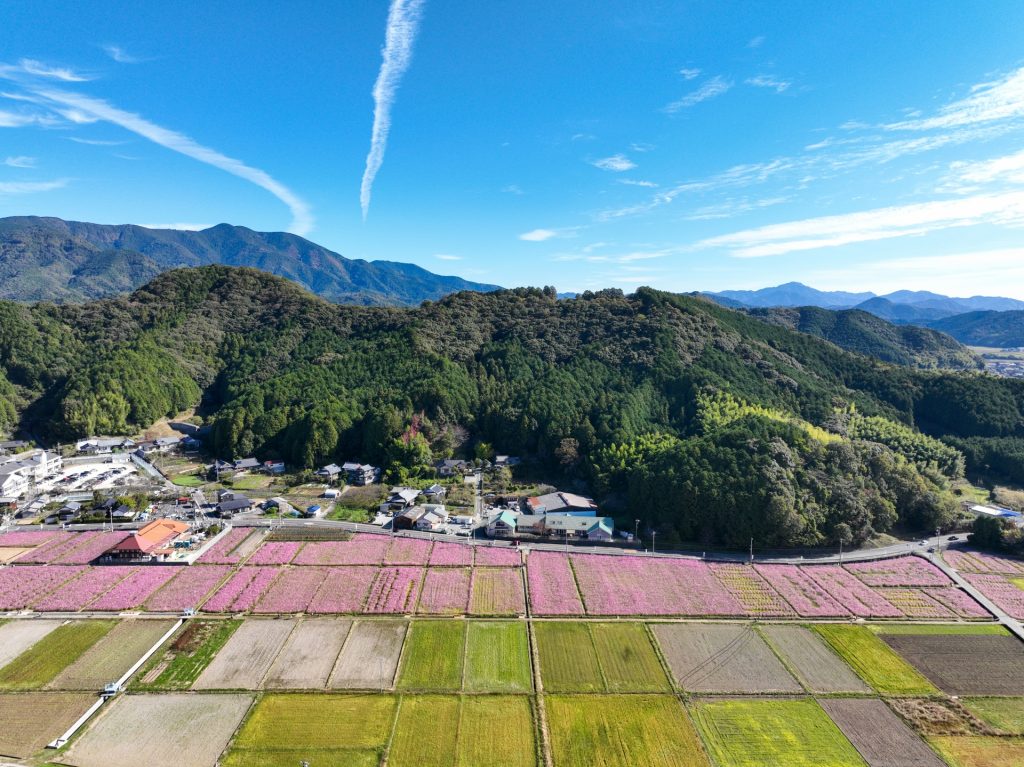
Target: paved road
<point>1011,624</point>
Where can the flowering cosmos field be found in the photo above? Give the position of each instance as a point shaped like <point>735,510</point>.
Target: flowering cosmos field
<point>379,574</point>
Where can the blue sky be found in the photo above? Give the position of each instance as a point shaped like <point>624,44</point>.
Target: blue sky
<point>579,143</point>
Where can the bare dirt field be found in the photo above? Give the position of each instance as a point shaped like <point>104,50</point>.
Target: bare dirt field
<point>820,669</point>
<point>369,659</point>
<point>722,658</point>
<point>108,659</point>
<point>9,554</point>
<point>965,665</point>
<point>17,636</point>
<point>31,720</point>
<point>878,734</point>
<point>309,655</point>
<point>170,730</point>
<point>244,661</point>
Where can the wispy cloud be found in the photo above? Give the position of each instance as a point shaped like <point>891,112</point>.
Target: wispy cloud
<point>95,141</point>
<point>716,86</point>
<point>447,257</point>
<point>20,162</point>
<point>1009,168</point>
<point>997,100</point>
<point>39,69</point>
<point>512,189</point>
<point>756,42</point>
<point>689,73</point>
<point>120,55</point>
<point>769,81</point>
<point>642,146</point>
<point>637,182</point>
<point>31,187</point>
<point>302,218</point>
<point>403,23</point>
<point>538,235</point>
<point>616,163</point>
<point>871,225</point>
<point>19,119</point>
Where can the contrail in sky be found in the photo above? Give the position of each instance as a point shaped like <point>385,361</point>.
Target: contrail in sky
<point>403,23</point>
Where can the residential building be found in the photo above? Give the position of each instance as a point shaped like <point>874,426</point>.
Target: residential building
<point>562,503</point>
<point>399,499</point>
<point>274,467</point>
<point>506,461</point>
<point>573,526</point>
<point>435,493</point>
<point>153,541</point>
<point>502,524</point>
<point>407,518</point>
<point>230,504</point>
<point>434,517</point>
<point>360,473</point>
<point>103,445</point>
<point>246,464</point>
<point>450,467</point>
<point>330,472</point>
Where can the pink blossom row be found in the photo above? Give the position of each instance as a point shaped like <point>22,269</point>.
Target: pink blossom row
<point>188,588</point>
<point>805,595</point>
<point>852,593</point>
<point>275,553</point>
<point>551,584</point>
<point>394,590</point>
<point>134,590</point>
<point>242,590</point>
<point>751,590</point>
<point>497,556</point>
<point>62,543</point>
<point>445,591</point>
<point>223,551</point>
<point>92,548</point>
<point>1001,590</point>
<point>902,571</point>
<point>343,590</point>
<point>26,539</point>
<point>980,562</point>
<point>408,551</point>
<point>22,586</point>
<point>451,555</point>
<point>75,594</point>
<point>362,549</point>
<point>292,591</point>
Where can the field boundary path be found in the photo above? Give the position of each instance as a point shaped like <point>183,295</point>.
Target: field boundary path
<point>1012,625</point>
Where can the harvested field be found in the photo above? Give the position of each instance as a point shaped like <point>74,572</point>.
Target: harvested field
<point>980,751</point>
<point>878,734</point>
<point>246,657</point>
<point>108,659</point>
<point>9,554</point>
<point>497,657</point>
<point>168,738</point>
<point>722,658</point>
<point>19,635</point>
<point>497,591</point>
<point>369,659</point>
<point>516,747</point>
<point>426,732</point>
<point>754,733</point>
<point>1003,714</point>
<point>445,591</point>
<point>321,729</point>
<point>874,660</point>
<point>965,665</point>
<point>939,716</point>
<point>309,655</point>
<point>568,660</point>
<point>343,590</point>
<point>627,658</point>
<point>182,661</point>
<point>621,731</point>
<point>817,666</point>
<point>433,657</point>
<point>37,666</point>
<point>33,719</point>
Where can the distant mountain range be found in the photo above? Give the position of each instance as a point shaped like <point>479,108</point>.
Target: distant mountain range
<point>978,320</point>
<point>68,261</point>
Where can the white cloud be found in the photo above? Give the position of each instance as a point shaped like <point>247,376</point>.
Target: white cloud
<point>879,224</point>
<point>77,116</point>
<point>95,141</point>
<point>642,146</point>
<point>31,187</point>
<point>769,81</point>
<point>447,257</point>
<point>39,69</point>
<point>689,73</point>
<point>403,23</point>
<point>716,86</point>
<point>185,227</point>
<point>538,235</point>
<point>635,182</point>
<point>512,189</point>
<point>20,162</point>
<point>616,163</point>
<point>120,55</point>
<point>302,218</point>
<point>756,42</point>
<point>997,100</point>
<point>17,119</point>
<point>1009,168</point>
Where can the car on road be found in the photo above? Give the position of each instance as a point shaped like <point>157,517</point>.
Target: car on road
<point>954,537</point>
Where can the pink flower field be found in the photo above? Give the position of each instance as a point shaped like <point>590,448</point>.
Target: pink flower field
<point>27,539</point>
<point>223,552</point>
<point>497,591</point>
<point>292,592</point>
<point>979,562</point>
<point>805,595</point>
<point>74,595</point>
<point>275,553</point>
<point>1001,590</point>
<point>904,571</point>
<point>451,555</point>
<point>242,590</point>
<point>60,544</point>
<point>408,551</point>
<point>134,590</point>
<point>394,590</point>
<point>960,602</point>
<point>916,603</point>
<point>343,590</point>
<point>445,591</point>
<point>756,596</point>
<point>551,584</point>
<point>497,556</point>
<point>91,548</point>
<point>188,588</point>
<point>363,549</point>
<point>21,586</point>
<point>852,593</point>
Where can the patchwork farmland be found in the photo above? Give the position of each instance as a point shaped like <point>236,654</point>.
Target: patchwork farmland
<point>422,655</point>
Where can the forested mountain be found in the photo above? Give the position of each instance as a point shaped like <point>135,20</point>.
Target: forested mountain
<point>706,423</point>
<point>999,329</point>
<point>867,334</point>
<point>55,260</point>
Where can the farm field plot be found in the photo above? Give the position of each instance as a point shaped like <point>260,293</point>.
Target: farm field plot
<point>627,658</point>
<point>817,666</point>
<point>752,591</point>
<point>445,591</point>
<point>497,657</point>
<point>874,660</point>
<point>309,655</point>
<point>182,661</point>
<point>292,591</point>
<point>82,590</point>
<point>37,666</point>
<point>621,731</point>
<point>369,659</point>
<point>722,658</point>
<point>33,719</point>
<point>965,665</point>
<point>754,733</point>
<point>244,660</point>
<point>343,590</point>
<point>552,585</point>
<point>497,591</point>
<point>168,737</point>
<point>188,589</point>
<point>568,660</point>
<point>108,659</point>
<point>322,729</point>
<point>10,554</point>
<point>939,629</point>
<point>433,657</point>
<point>881,737</point>
<point>1004,714</point>
<point>18,635</point>
<point>426,732</point>
<point>980,751</point>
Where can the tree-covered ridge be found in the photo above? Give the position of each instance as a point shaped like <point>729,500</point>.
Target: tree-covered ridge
<point>670,407</point>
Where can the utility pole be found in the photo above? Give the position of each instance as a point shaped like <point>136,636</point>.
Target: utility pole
<point>653,534</point>
<point>751,549</point>
<point>840,551</point>
<point>636,532</point>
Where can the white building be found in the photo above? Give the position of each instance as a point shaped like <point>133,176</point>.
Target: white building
<point>434,516</point>
<point>17,472</point>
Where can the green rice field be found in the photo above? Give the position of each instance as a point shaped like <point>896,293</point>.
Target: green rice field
<point>40,664</point>
<point>498,657</point>
<point>1005,714</point>
<point>433,656</point>
<point>874,661</point>
<point>598,657</point>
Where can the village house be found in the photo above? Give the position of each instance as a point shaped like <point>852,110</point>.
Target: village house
<point>274,467</point>
<point>561,503</point>
<point>407,519</point>
<point>12,446</point>
<point>435,493</point>
<point>502,524</point>
<point>399,499</point>
<point>230,504</point>
<point>433,518</point>
<point>103,445</point>
<point>330,472</point>
<point>572,526</point>
<point>450,467</point>
<point>153,541</point>
<point>506,461</point>
<point>246,464</point>
<point>360,473</point>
